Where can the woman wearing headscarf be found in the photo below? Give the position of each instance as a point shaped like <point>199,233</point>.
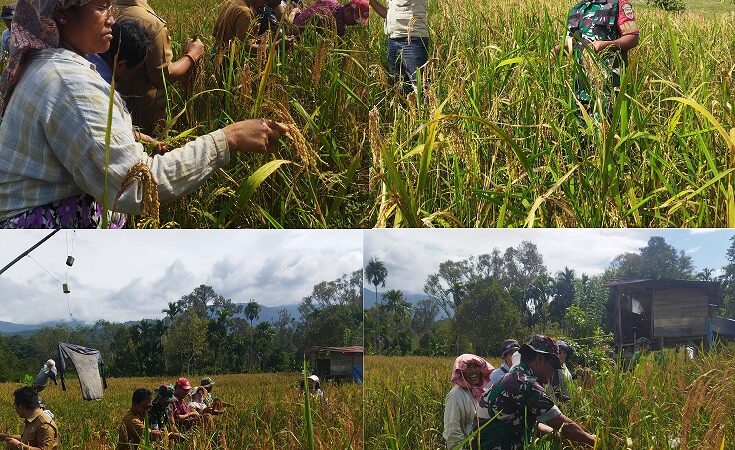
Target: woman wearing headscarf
<point>54,114</point>
<point>469,376</point>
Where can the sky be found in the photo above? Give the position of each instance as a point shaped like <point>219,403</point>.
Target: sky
<point>133,274</point>
<point>411,255</point>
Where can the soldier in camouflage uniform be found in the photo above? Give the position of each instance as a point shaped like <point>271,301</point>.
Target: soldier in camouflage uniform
<point>518,402</point>
<point>606,27</point>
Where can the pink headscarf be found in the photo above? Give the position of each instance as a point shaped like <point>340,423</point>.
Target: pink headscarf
<point>460,364</point>
<point>33,28</point>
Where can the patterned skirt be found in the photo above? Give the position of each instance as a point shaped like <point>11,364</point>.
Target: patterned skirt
<point>77,211</point>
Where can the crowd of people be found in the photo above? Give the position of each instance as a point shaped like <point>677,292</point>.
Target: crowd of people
<point>504,408</point>
<point>67,152</point>
<point>171,411</point>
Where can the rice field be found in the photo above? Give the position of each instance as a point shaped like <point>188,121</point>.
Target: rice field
<point>493,140</point>
<point>268,414</point>
<point>669,403</point>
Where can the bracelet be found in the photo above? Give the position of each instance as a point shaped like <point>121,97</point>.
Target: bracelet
<point>193,61</point>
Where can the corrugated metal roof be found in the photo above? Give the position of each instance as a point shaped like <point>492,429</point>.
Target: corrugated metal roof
<point>351,349</point>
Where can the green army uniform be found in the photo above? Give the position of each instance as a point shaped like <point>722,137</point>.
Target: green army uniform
<point>598,20</point>
<point>143,90</point>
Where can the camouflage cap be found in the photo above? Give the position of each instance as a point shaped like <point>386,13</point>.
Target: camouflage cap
<point>543,344</point>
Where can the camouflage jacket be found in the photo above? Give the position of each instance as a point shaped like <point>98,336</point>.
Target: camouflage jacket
<point>515,404</point>
<point>594,20</point>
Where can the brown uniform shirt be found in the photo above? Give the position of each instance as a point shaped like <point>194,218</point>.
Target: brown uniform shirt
<point>235,21</point>
<point>130,431</point>
<point>40,431</point>
<point>143,90</point>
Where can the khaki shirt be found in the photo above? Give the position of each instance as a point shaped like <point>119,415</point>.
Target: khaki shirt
<point>235,21</point>
<point>130,431</point>
<point>143,90</point>
<point>40,431</point>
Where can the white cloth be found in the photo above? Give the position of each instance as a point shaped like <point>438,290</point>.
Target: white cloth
<point>197,406</point>
<point>496,376</point>
<point>52,138</point>
<point>407,19</point>
<point>460,412</point>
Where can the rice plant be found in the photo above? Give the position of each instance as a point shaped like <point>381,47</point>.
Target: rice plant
<point>670,402</point>
<point>268,414</point>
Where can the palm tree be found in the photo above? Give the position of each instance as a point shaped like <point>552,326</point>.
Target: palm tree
<point>252,311</point>
<point>376,273</point>
<point>172,310</point>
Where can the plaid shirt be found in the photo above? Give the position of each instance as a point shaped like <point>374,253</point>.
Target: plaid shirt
<point>52,141</point>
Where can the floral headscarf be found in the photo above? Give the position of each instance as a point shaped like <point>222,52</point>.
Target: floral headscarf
<point>33,28</point>
<point>461,363</point>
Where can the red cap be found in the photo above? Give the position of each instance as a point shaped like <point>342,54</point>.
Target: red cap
<point>184,383</point>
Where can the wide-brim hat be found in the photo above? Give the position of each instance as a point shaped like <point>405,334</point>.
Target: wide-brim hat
<point>543,344</point>
<point>207,382</point>
<point>7,12</point>
<point>563,346</point>
<point>509,346</point>
<point>166,392</point>
<point>314,378</point>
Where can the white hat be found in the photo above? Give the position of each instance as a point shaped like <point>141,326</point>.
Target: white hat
<point>314,377</point>
<point>50,363</point>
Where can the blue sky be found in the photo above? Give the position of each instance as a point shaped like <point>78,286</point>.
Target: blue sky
<point>133,274</point>
<point>411,255</point>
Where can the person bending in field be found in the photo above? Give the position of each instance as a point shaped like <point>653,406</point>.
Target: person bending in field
<point>131,429</point>
<point>509,347</point>
<point>518,402</point>
<point>333,15</point>
<point>562,378</point>
<point>130,44</point>
<point>184,417</point>
<point>215,403</point>
<point>56,170</point>
<point>607,28</point>
<point>469,374</point>
<point>239,20</point>
<point>407,29</point>
<point>159,417</point>
<point>39,432</point>
<point>144,89</point>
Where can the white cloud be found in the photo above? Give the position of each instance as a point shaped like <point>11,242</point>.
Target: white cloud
<point>132,274</point>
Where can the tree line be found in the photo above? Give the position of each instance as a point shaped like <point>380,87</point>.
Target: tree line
<point>473,304</point>
<point>203,332</point>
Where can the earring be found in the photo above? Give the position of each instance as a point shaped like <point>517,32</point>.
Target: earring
<point>62,20</point>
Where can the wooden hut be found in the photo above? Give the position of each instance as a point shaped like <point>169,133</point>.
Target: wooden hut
<point>338,363</point>
<point>668,312</point>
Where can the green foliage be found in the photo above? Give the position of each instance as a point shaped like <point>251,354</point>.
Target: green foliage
<point>488,316</point>
<point>656,260</point>
<point>668,5</point>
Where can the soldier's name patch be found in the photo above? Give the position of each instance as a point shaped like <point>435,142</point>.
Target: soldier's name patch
<point>628,11</point>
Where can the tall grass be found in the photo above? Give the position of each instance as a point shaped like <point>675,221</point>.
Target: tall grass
<point>317,177</point>
<point>268,414</point>
<point>494,141</point>
<point>670,402</point>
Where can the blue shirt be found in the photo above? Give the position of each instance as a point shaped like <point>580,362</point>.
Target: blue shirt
<point>101,66</point>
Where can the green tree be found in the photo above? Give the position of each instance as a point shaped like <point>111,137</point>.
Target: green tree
<point>376,273</point>
<point>185,344</point>
<point>252,311</point>
<point>656,260</point>
<point>564,294</point>
<point>488,316</point>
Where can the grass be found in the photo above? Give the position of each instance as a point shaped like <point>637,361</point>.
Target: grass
<point>491,141</point>
<point>494,140</point>
<point>268,414</point>
<point>670,402</point>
